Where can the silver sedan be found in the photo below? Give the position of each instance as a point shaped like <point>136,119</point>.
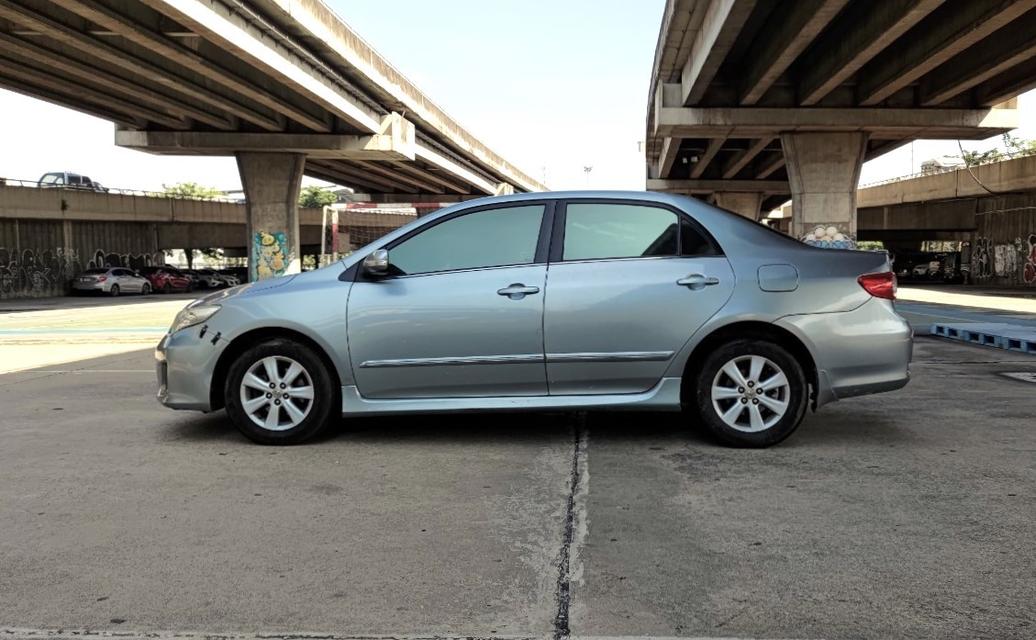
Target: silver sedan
<point>559,301</point>
<point>112,281</point>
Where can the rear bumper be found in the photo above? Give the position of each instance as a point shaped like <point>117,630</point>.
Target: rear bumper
<point>859,352</point>
<point>89,286</point>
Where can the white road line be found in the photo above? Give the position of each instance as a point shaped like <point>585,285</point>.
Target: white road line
<point>86,371</point>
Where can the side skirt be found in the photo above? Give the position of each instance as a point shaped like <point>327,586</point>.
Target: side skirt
<point>664,396</point>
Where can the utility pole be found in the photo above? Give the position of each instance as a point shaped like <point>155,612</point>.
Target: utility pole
<point>586,171</point>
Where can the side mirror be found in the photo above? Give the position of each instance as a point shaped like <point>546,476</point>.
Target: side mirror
<point>377,263</point>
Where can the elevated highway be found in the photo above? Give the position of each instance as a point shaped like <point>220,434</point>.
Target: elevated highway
<point>991,208</point>
<point>49,235</point>
<point>284,85</point>
<point>754,100</point>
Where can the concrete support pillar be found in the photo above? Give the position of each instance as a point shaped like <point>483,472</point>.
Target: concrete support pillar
<point>824,169</point>
<point>271,183</point>
<point>745,204</point>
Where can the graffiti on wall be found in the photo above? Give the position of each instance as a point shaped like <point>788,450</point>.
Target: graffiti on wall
<point>33,273</point>
<point>829,237</point>
<point>1029,270</point>
<point>103,259</point>
<point>270,253</point>
<point>982,258</point>
<point>1006,259</point>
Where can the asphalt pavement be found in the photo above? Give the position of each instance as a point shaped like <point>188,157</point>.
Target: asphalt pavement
<point>909,514</point>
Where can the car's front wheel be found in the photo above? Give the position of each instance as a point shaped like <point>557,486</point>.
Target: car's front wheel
<point>751,393</point>
<point>279,392</point>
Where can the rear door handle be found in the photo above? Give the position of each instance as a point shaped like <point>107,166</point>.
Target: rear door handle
<point>517,291</point>
<point>697,281</point>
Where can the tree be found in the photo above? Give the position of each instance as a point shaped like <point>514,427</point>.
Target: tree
<point>317,197</point>
<point>1019,146</point>
<point>190,190</point>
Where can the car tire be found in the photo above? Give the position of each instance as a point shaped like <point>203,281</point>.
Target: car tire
<point>250,406</point>
<point>114,291</point>
<point>730,377</point>
<point>145,289</point>
<point>167,288</point>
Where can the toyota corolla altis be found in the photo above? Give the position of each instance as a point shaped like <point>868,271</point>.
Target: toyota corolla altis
<point>558,301</point>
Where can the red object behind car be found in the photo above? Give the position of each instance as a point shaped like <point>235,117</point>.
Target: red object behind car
<point>167,279</point>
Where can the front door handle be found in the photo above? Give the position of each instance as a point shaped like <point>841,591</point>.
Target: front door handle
<point>517,291</point>
<point>697,281</point>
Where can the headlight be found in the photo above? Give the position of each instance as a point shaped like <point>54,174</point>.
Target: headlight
<point>192,315</point>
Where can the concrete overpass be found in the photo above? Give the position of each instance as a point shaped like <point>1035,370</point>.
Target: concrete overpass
<point>49,235</point>
<point>284,85</point>
<point>991,208</point>
<point>754,100</point>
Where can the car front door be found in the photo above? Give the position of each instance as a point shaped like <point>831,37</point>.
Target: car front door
<point>461,313</point>
<point>629,284</point>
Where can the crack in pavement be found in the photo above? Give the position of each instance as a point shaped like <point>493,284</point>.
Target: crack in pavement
<point>574,523</point>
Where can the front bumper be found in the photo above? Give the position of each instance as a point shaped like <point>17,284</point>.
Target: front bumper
<point>184,365</point>
<point>859,352</point>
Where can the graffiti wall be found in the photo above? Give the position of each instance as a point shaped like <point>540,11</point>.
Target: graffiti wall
<point>1004,248</point>
<point>40,258</point>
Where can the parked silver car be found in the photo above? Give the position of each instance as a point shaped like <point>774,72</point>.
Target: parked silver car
<point>583,300</point>
<point>113,281</point>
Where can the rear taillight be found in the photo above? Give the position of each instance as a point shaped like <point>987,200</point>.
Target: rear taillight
<point>102,278</point>
<point>879,285</point>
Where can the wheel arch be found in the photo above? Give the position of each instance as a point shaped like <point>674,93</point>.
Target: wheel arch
<point>249,338</point>
<point>753,329</point>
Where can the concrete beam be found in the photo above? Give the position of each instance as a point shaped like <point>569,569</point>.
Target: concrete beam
<point>337,45</point>
<point>1006,87</point>
<point>713,186</point>
<point>853,40</point>
<point>149,73</point>
<point>171,50</point>
<point>1013,45</point>
<point>715,144</point>
<point>240,37</point>
<point>775,163</point>
<point>741,159</point>
<point>31,74</point>
<point>395,143</point>
<point>754,122</point>
<point>779,46</point>
<point>720,27</point>
<point>952,29</point>
<point>742,203</point>
<point>670,149</point>
<point>439,161</point>
<point>71,68</point>
<point>62,99</point>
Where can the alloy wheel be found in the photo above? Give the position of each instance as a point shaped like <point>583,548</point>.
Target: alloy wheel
<point>277,393</point>
<point>751,393</point>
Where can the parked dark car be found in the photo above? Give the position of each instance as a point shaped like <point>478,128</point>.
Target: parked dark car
<point>67,180</point>
<point>167,279</point>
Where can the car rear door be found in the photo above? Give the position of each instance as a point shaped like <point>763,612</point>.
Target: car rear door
<point>463,314</point>
<point>629,283</point>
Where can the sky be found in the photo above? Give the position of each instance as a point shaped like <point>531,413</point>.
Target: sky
<point>553,86</point>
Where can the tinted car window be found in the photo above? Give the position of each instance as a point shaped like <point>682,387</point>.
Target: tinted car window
<point>693,241</point>
<point>482,239</point>
<point>595,231</point>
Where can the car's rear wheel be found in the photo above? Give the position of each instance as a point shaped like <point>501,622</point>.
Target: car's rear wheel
<point>145,289</point>
<point>279,392</point>
<point>751,393</point>
<point>167,287</point>
<point>114,291</point>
